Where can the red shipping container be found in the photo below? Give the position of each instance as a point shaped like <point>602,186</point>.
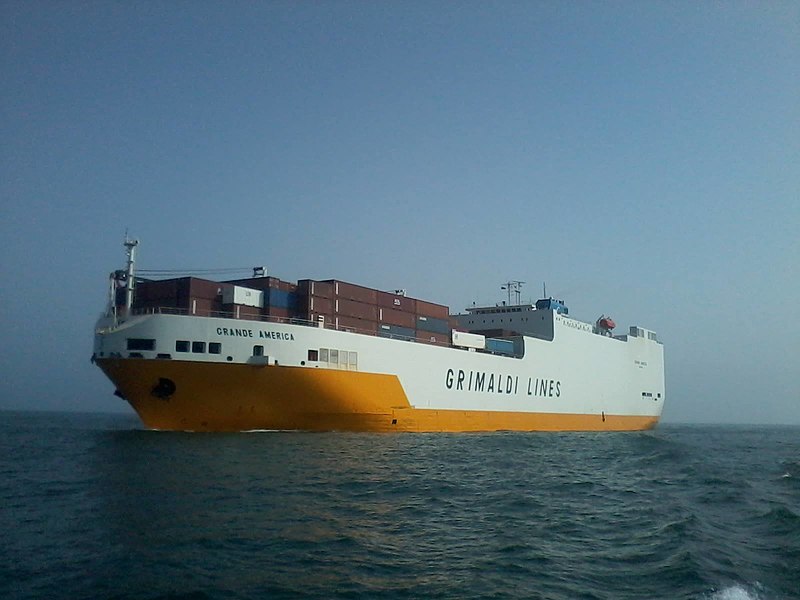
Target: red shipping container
<point>166,290</point>
<point>357,325</point>
<point>319,304</point>
<point>429,309</point>
<point>254,283</point>
<point>264,283</point>
<point>202,307</point>
<point>358,293</point>
<point>396,302</point>
<point>309,287</point>
<point>396,317</point>
<point>359,310</point>
<point>323,289</point>
<point>430,337</point>
<point>203,288</point>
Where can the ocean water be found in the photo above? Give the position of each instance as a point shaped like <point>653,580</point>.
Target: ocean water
<point>92,506</point>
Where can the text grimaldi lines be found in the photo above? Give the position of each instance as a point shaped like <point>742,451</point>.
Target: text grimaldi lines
<point>498,383</point>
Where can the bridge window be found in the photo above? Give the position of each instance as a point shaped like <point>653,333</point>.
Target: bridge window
<point>258,350</point>
<point>141,344</point>
<point>198,347</point>
<point>214,348</point>
<point>182,346</point>
<point>313,355</point>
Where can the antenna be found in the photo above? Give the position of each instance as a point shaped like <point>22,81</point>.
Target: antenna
<point>514,286</point>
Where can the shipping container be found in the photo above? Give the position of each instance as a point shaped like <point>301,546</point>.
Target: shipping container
<point>431,337</point>
<point>155,294</point>
<point>500,346</point>
<point>203,288</point>
<point>303,305</point>
<point>320,305</point>
<point>468,340</point>
<point>394,331</point>
<point>265,283</point>
<point>429,309</point>
<point>433,324</point>
<point>359,310</point>
<point>148,291</point>
<point>184,291</point>
<point>396,302</point>
<point>244,296</point>
<point>203,307</point>
<point>280,298</point>
<point>350,291</point>
<point>303,288</point>
<point>396,317</point>
<point>356,325</point>
<point>309,287</point>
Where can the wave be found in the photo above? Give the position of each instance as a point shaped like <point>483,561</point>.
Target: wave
<point>739,592</point>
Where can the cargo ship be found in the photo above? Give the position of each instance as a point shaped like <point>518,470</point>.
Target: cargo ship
<point>261,353</point>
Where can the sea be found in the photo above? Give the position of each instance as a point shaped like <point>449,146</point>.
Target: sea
<point>94,506</point>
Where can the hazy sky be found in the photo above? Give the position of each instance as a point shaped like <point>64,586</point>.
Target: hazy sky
<point>642,158</point>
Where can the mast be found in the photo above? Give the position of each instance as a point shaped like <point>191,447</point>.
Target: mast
<point>130,246</point>
<point>514,286</point>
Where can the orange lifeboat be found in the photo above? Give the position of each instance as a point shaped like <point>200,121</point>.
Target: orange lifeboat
<point>606,323</point>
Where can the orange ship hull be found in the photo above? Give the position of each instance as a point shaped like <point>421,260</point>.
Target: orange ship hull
<point>239,397</point>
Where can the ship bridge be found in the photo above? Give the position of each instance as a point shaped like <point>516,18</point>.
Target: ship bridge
<point>536,320</point>
<point>508,320</point>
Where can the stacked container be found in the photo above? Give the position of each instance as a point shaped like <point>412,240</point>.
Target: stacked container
<point>340,304</point>
<point>315,300</point>
<point>188,295</point>
<point>348,306</point>
<point>280,297</point>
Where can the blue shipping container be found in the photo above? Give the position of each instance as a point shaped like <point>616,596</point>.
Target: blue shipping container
<point>500,346</point>
<point>396,331</point>
<point>433,324</point>
<point>280,299</point>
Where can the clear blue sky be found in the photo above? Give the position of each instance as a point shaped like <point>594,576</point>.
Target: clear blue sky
<point>642,158</point>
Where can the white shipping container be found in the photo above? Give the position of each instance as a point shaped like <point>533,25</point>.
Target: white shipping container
<point>242,295</point>
<point>469,340</point>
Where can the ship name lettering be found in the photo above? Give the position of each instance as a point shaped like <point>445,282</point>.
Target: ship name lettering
<point>544,388</point>
<point>477,381</point>
<point>575,324</point>
<point>248,333</point>
<point>276,335</point>
<point>480,378</point>
<point>235,332</point>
